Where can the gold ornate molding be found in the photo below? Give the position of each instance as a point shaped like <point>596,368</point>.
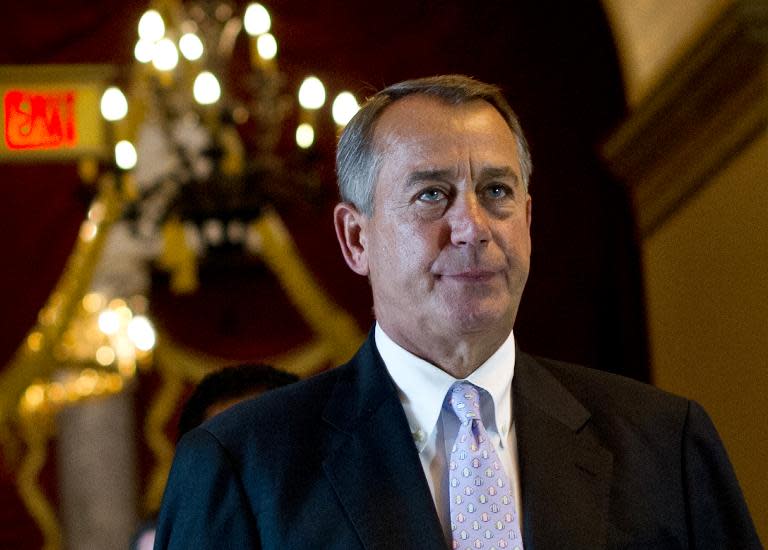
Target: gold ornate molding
<point>29,396</point>
<point>37,357</point>
<point>706,110</point>
<point>36,432</point>
<point>161,410</point>
<point>329,322</point>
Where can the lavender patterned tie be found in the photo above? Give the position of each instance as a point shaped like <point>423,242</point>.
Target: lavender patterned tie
<point>482,499</point>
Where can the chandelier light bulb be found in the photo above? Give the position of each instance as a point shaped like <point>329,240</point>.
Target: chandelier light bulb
<point>141,333</point>
<point>312,93</point>
<point>109,322</point>
<point>166,55</point>
<point>151,26</point>
<point>344,108</point>
<point>144,51</point>
<point>114,106</point>
<point>257,20</point>
<point>206,89</point>
<point>125,155</point>
<point>191,46</point>
<point>266,45</point>
<point>305,135</point>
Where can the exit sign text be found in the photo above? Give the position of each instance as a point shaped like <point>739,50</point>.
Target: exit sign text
<point>39,120</point>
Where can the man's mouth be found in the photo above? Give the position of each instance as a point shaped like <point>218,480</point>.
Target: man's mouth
<point>471,275</point>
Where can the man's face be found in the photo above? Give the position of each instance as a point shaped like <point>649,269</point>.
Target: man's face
<point>447,247</point>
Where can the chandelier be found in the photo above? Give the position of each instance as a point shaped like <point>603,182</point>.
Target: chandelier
<point>201,155</point>
<point>206,155</point>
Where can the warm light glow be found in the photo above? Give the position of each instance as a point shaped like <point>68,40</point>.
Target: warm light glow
<point>71,390</point>
<point>47,315</point>
<point>191,46</point>
<point>114,382</point>
<point>93,302</point>
<point>125,155</point>
<point>34,396</point>
<point>188,25</point>
<point>236,231</point>
<point>86,382</point>
<point>88,230</point>
<point>97,211</point>
<point>312,93</point>
<point>76,386</point>
<point>344,108</point>
<point>99,385</point>
<point>213,231</point>
<point>105,356</point>
<point>56,392</point>
<point>266,45</point>
<point>35,341</point>
<point>124,348</point>
<point>125,314</point>
<point>109,322</point>
<point>114,106</point>
<point>166,55</point>
<point>305,136</point>
<point>151,26</point>
<point>144,51</point>
<point>240,115</point>
<point>127,369</point>
<point>206,88</point>
<point>141,333</point>
<point>257,20</point>
<point>117,303</point>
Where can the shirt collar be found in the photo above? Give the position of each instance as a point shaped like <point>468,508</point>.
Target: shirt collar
<point>422,386</point>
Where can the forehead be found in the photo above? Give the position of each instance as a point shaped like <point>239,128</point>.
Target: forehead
<point>426,127</point>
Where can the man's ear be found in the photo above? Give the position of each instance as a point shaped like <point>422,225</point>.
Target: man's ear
<point>529,211</point>
<point>350,226</point>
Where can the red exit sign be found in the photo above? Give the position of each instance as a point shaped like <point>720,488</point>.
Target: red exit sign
<point>52,113</point>
<point>39,120</point>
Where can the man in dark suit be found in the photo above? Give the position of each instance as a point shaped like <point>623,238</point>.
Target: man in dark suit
<point>436,213</point>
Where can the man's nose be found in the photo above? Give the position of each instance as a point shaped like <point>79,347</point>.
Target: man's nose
<point>469,222</point>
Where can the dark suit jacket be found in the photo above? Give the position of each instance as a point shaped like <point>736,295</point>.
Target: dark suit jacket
<point>605,462</point>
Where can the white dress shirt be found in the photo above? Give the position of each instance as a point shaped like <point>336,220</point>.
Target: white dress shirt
<point>422,388</point>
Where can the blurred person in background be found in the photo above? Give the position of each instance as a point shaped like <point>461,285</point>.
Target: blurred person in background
<point>216,392</point>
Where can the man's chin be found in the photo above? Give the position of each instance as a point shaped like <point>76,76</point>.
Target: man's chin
<point>481,320</point>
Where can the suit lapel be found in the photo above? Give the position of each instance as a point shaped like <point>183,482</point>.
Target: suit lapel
<point>565,473</point>
<point>375,468</point>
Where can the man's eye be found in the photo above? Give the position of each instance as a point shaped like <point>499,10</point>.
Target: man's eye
<point>497,191</point>
<point>432,195</point>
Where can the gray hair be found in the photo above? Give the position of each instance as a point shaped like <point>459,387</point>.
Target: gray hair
<point>357,165</point>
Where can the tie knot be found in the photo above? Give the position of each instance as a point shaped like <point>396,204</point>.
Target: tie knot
<point>464,399</point>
